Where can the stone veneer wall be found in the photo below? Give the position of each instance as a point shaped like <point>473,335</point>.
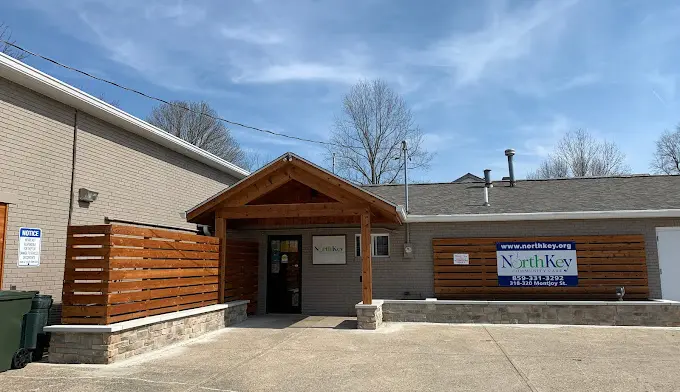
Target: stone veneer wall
<point>369,316</point>
<point>108,347</point>
<point>631,313</point>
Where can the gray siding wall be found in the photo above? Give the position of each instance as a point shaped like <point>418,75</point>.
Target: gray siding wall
<point>335,289</point>
<point>136,179</point>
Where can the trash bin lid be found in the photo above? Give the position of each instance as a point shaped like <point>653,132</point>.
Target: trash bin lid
<point>12,295</point>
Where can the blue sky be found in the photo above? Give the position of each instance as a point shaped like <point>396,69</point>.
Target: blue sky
<point>480,76</point>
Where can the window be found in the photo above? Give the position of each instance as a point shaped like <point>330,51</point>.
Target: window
<point>380,245</point>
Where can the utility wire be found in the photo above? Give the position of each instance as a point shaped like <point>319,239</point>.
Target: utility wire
<point>174,104</point>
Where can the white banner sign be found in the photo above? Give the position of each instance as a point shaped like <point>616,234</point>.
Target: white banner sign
<point>329,249</point>
<point>549,264</point>
<point>30,241</point>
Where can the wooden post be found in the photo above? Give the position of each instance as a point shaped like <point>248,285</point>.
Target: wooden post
<point>221,233</point>
<point>366,269</point>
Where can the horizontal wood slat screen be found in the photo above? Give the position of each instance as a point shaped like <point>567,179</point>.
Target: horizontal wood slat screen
<point>604,263</point>
<point>115,273</point>
<point>241,272</point>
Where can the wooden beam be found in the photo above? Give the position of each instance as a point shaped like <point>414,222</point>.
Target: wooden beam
<point>366,268</point>
<point>333,182</point>
<point>221,233</point>
<point>259,188</point>
<point>229,192</point>
<point>322,186</point>
<point>297,210</point>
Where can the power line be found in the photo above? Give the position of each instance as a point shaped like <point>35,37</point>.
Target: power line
<point>174,104</point>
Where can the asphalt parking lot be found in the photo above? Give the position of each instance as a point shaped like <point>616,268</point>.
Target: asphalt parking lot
<point>287,353</point>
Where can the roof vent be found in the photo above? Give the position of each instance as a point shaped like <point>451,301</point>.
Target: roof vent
<point>511,167</point>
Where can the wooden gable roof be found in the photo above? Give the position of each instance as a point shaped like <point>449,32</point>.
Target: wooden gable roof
<point>292,186</point>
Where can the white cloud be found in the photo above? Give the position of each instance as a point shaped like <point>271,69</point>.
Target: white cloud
<point>434,142</point>
<point>579,81</point>
<point>252,36</point>
<point>540,138</point>
<point>301,71</point>
<point>507,38</point>
<point>183,13</point>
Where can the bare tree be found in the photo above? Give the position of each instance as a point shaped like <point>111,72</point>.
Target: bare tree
<point>6,35</point>
<point>367,135</point>
<point>255,160</point>
<point>112,102</point>
<point>579,154</point>
<point>667,155</point>
<point>187,121</point>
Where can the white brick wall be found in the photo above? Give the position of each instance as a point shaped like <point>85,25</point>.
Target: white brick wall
<point>136,179</point>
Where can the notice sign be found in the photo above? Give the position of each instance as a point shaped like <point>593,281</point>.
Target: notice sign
<point>328,249</point>
<point>549,264</point>
<point>461,259</point>
<point>30,241</point>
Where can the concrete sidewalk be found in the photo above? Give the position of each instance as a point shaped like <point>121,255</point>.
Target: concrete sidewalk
<point>288,353</point>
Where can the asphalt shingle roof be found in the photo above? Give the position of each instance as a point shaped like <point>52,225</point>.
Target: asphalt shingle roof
<point>638,192</point>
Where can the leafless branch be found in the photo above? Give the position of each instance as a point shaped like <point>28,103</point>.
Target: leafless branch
<point>667,155</point>
<point>6,35</point>
<point>579,154</point>
<point>202,131</point>
<point>375,120</point>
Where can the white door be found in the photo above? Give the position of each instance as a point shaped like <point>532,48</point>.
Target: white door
<point>668,243</point>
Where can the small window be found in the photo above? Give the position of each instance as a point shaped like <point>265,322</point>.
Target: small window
<point>380,245</point>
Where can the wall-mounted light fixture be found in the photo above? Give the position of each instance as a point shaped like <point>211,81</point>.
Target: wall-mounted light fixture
<point>87,195</point>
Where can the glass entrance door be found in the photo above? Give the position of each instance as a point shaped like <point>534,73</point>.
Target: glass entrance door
<point>284,274</point>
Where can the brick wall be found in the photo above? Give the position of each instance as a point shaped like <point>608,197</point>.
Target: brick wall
<point>335,289</point>
<point>136,179</point>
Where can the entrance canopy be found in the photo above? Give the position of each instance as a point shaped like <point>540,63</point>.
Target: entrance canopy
<point>292,191</point>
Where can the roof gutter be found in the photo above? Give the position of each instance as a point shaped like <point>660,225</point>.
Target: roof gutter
<point>538,216</point>
<point>40,82</point>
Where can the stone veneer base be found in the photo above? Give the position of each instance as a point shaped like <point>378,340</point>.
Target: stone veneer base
<point>625,313</point>
<point>369,316</point>
<point>104,344</point>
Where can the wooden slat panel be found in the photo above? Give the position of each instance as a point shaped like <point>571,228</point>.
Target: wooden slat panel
<point>152,312</point>
<point>88,240</point>
<point>162,263</point>
<point>160,283</point>
<point>83,311</point>
<point>576,238</point>
<point>158,244</point>
<point>155,253</point>
<point>161,273</point>
<point>160,293</point>
<point>115,273</point>
<point>160,233</point>
<point>604,263</point>
<point>160,303</point>
<point>241,273</point>
<point>91,229</point>
<point>71,275</point>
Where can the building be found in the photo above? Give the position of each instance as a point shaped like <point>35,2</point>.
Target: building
<point>323,244</point>
<point>69,158</point>
<point>298,210</point>
<point>469,177</point>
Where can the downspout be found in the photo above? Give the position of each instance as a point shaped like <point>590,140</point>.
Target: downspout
<point>73,166</point>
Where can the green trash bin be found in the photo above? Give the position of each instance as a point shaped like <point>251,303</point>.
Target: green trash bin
<point>14,305</point>
<point>33,337</point>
